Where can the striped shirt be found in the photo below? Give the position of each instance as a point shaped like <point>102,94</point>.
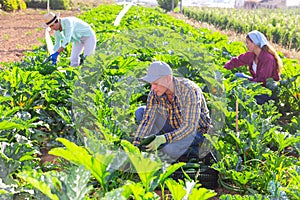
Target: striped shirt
<point>187,114</point>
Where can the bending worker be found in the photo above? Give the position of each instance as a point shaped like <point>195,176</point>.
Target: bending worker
<point>176,112</point>
<point>70,30</point>
<point>262,60</point>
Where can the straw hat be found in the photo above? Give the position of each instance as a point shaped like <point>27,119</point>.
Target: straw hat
<point>49,19</point>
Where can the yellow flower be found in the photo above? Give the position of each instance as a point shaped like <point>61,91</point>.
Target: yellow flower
<point>214,90</point>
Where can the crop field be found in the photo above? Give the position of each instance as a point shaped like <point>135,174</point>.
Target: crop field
<point>84,116</point>
<point>281,26</point>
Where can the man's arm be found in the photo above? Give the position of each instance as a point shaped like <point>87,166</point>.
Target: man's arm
<point>68,28</point>
<point>148,119</point>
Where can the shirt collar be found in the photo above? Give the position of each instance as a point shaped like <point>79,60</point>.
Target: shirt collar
<point>176,88</point>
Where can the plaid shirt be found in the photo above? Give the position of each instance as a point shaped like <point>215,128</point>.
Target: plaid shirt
<point>187,114</point>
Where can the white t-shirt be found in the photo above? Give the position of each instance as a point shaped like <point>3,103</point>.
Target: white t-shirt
<point>254,67</point>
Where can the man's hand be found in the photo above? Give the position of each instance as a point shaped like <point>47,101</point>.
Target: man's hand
<point>159,140</point>
<point>242,75</point>
<point>54,57</point>
<point>145,141</point>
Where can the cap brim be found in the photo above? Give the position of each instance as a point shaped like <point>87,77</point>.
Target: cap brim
<point>150,79</point>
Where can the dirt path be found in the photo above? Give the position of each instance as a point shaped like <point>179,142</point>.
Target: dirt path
<point>22,31</point>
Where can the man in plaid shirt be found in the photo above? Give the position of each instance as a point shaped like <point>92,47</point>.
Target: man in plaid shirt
<point>176,112</point>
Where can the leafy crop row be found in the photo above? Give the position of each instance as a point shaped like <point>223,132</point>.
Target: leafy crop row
<point>85,114</point>
<point>281,26</point>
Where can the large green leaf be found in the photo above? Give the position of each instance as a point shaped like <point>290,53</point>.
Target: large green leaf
<point>97,164</point>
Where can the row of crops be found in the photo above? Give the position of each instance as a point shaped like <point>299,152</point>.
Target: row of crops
<point>281,26</point>
<point>84,115</point>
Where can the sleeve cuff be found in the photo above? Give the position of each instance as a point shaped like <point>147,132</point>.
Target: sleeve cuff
<point>168,138</point>
<point>65,45</point>
<point>136,141</point>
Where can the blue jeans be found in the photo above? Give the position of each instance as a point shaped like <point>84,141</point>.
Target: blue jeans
<point>263,98</point>
<point>186,146</point>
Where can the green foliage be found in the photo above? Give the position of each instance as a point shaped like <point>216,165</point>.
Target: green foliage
<point>22,5</point>
<point>190,190</point>
<point>92,106</point>
<point>148,167</point>
<point>97,164</point>
<point>118,193</point>
<point>98,87</point>
<point>16,155</point>
<point>60,185</point>
<point>167,4</point>
<point>54,4</point>
<point>60,4</point>
<point>199,192</point>
<point>288,88</point>
<point>244,197</point>
<point>10,5</point>
<point>249,146</point>
<point>145,167</point>
<point>42,182</point>
<point>30,96</point>
<point>65,4</point>
<point>280,25</point>
<point>36,3</point>
<point>177,189</point>
<point>17,79</point>
<point>13,5</point>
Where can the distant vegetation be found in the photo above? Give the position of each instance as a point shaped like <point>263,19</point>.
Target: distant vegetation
<point>281,26</point>
<point>12,5</point>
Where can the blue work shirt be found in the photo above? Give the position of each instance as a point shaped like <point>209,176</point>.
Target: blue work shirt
<point>72,31</point>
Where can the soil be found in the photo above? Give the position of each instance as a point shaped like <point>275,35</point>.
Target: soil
<point>22,31</point>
